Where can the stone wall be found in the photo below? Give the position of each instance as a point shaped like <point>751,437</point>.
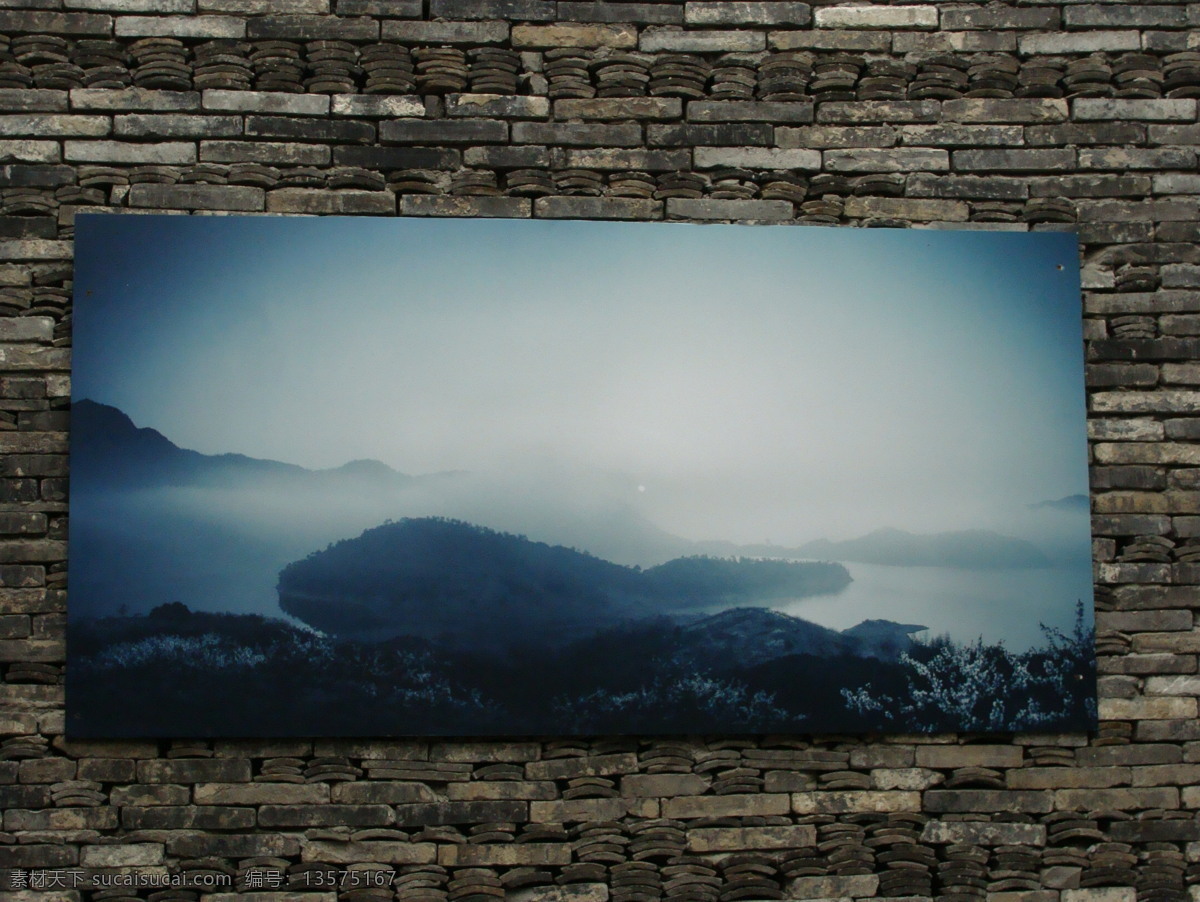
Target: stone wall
<point>1011,115</point>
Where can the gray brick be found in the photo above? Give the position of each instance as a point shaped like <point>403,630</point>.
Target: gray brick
<point>181,27</point>
<point>457,131</point>
<point>1174,134</point>
<point>313,28</point>
<point>433,205</point>
<point>888,160</point>
<point>747,12</point>
<point>662,785</point>
<point>383,792</point>
<point>992,18</point>
<point>26,328</point>
<point>107,770</point>
<point>309,129</point>
<point>1137,375</point>
<point>38,855</point>
<point>473,33</point>
<point>54,125</point>
<point>512,790</point>
<point>620,11</point>
<point>1019,160</point>
<point>736,805</point>
<point>879,112</point>
<point>187,817</point>
<point>1122,158</point>
<point>837,801</point>
<point>1134,186</point>
<point>836,136</point>
<point>129,100</point>
<point>394,9</point>
<point>197,197</point>
<point>261,102</point>
<point>1144,621</point>
<point>1086,133</point>
<point>738,134</point>
<point>484,752</point>
<point>325,815</point>
<point>497,105</point>
<point>572,35</point>
<point>32,100</point>
<point>397,157</point>
<point>519,10</point>
<point>176,125</point>
<point>964,135</point>
<point>442,813</point>
<point>877,17</point>
<point>620,108</point>
<point>1116,798</point>
<point>757,158</point>
<point>197,770</point>
<point>121,152</point>
<point>855,886</point>
<point>1161,109</point>
<point>62,819</point>
<point>1130,524</point>
<point>376,106</point>
<point>1078,42</point>
<point>1016,110</point>
<point>909,208</point>
<point>747,111</point>
<point>264,7</point>
<point>954,42</point>
<point>988,800</point>
<point>1173,183</point>
<point>1117,15</point>
<point>865,41</point>
<point>269,152</point>
<point>620,158</point>
<point>323,201</point>
<point>34,358</point>
<point>27,22</point>
<point>744,210</point>
<point>657,38</point>
<point>30,151</point>
<point>511,157</point>
<point>570,134</point>
<point>597,208</point>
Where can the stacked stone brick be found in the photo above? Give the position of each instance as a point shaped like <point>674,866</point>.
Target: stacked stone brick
<point>1011,115</point>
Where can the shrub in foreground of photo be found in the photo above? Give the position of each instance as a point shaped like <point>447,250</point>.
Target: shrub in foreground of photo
<point>987,688</point>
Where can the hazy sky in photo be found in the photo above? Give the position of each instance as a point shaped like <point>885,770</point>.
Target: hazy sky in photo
<point>746,383</point>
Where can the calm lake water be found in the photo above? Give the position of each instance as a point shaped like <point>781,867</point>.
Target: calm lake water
<point>996,604</point>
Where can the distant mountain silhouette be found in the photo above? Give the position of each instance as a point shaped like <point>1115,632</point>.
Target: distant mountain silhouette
<point>883,638</point>
<point>466,585</point>
<point>753,636</point>
<point>107,449</point>
<point>975,549</point>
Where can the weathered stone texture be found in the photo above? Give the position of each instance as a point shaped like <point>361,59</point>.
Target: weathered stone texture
<point>1111,155</point>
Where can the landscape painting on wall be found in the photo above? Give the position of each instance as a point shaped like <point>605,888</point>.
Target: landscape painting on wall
<point>413,477</point>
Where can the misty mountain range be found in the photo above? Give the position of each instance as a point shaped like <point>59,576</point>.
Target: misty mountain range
<point>107,448</point>
<point>139,495</point>
<point>466,585</point>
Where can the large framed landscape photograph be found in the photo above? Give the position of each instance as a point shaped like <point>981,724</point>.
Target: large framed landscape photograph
<point>439,477</point>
